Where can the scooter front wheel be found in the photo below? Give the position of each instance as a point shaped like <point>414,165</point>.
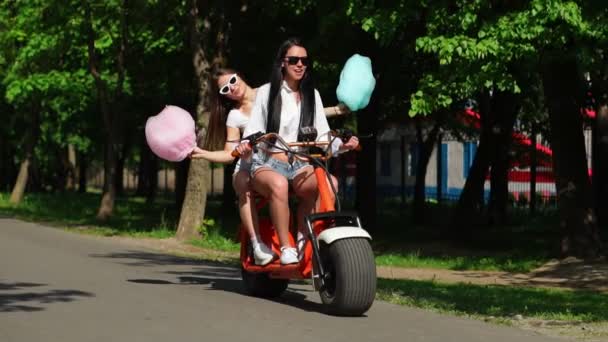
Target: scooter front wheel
<point>350,282</point>
<point>261,285</point>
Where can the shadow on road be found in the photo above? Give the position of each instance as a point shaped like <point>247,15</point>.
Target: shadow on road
<point>216,275</point>
<point>24,301</point>
<point>145,259</point>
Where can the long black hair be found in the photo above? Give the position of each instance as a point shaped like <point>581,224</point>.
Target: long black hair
<point>307,91</point>
<point>220,107</point>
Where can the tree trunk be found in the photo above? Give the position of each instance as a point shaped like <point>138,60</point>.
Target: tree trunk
<point>505,107</point>
<point>182,170</point>
<point>580,234</point>
<point>471,201</point>
<point>22,178</point>
<point>147,173</point>
<point>71,168</point>
<point>120,166</point>
<point>82,172</point>
<point>195,200</point>
<point>599,151</point>
<point>143,168</point>
<point>108,197</point>
<point>600,163</point>
<point>152,179</point>
<point>4,165</point>
<point>425,149</point>
<point>67,169</point>
<point>106,207</point>
<point>110,121</point>
<point>35,179</point>
<point>19,188</point>
<point>120,175</point>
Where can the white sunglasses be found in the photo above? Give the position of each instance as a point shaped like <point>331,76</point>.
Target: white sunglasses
<point>225,89</point>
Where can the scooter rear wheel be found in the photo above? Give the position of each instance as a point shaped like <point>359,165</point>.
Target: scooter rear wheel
<point>350,284</point>
<point>261,285</point>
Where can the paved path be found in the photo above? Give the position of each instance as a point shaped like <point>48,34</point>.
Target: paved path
<point>60,286</point>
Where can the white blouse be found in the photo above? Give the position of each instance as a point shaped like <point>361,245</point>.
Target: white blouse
<point>290,115</point>
<point>237,119</point>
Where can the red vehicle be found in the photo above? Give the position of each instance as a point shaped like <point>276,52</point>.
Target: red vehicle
<point>337,255</point>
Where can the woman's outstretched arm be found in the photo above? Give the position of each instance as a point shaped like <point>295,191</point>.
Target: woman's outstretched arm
<point>338,110</point>
<point>224,156</point>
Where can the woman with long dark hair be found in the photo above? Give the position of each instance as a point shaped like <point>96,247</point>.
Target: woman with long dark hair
<point>231,101</point>
<point>288,102</point>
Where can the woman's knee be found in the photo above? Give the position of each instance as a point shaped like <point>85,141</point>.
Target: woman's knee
<point>240,182</point>
<point>279,187</point>
<point>306,188</point>
<point>335,182</point>
<point>272,185</point>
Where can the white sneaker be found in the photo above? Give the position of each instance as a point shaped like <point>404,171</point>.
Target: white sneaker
<point>262,255</point>
<point>289,255</point>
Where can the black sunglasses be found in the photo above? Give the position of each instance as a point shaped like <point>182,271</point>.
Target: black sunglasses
<point>293,60</point>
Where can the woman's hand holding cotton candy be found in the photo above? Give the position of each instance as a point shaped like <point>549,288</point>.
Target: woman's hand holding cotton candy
<point>198,153</point>
<point>342,109</point>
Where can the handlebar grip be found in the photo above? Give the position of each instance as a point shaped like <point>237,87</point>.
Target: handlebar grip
<point>235,154</point>
<point>359,147</point>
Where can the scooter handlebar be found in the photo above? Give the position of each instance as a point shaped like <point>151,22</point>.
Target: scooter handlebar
<point>255,137</point>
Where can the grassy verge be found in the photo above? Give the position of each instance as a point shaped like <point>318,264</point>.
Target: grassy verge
<point>504,263</point>
<point>520,246</point>
<point>133,216</point>
<point>215,240</point>
<point>499,303</point>
<point>579,315</point>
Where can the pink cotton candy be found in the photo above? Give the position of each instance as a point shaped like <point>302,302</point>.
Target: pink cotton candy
<point>170,134</point>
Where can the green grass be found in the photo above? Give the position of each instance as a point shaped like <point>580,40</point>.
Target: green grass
<point>133,217</point>
<point>500,302</point>
<point>521,246</point>
<point>460,263</point>
<point>214,239</point>
<point>76,212</point>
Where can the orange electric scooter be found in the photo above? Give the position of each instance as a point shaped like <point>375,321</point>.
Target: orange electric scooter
<point>337,255</point>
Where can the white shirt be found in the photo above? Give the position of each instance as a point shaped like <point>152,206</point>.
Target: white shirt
<point>290,115</point>
<point>237,119</point>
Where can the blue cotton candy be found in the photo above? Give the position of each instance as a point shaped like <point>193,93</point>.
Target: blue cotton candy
<point>357,82</point>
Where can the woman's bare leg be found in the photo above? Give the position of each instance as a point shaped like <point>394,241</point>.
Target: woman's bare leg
<point>274,186</point>
<point>249,217</point>
<point>305,187</point>
<point>247,209</point>
<point>332,196</point>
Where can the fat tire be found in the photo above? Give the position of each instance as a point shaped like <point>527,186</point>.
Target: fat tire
<point>352,288</point>
<point>261,285</point>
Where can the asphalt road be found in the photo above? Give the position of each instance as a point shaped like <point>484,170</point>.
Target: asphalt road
<point>60,286</point>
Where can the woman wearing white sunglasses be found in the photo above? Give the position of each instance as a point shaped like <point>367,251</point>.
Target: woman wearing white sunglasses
<point>232,100</point>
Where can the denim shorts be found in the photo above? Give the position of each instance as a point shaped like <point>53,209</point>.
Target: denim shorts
<point>241,164</point>
<point>262,160</point>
